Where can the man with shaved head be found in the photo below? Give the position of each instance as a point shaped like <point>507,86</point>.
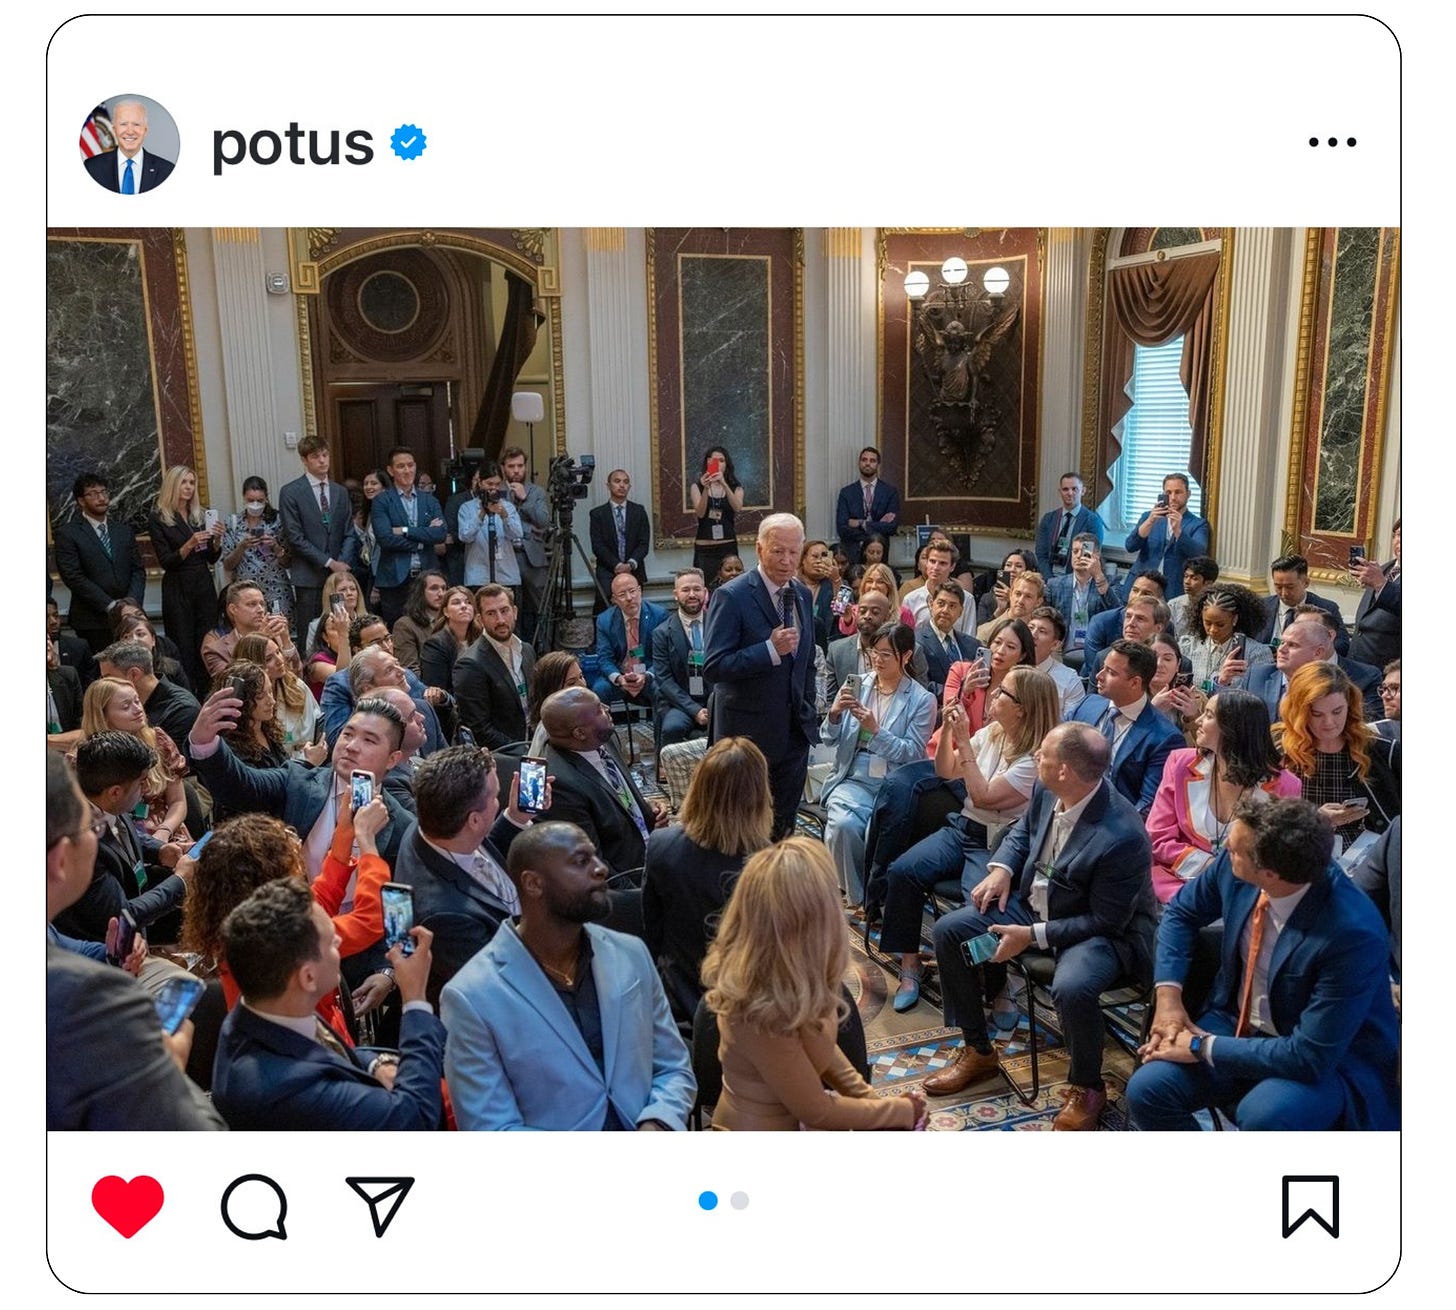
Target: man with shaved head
<point>1071,876</point>
<point>129,169</point>
<point>592,787</point>
<point>760,663</point>
<point>559,1023</point>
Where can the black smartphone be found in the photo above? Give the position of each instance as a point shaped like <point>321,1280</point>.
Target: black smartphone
<point>1003,576</point>
<point>1162,501</point>
<point>336,602</point>
<point>239,688</point>
<point>126,935</point>
<point>399,915</point>
<point>531,785</point>
<point>1182,680</point>
<point>1356,803</point>
<point>1357,556</point>
<point>980,949</point>
<point>176,999</point>
<point>464,737</point>
<point>361,789</point>
<point>318,729</point>
<point>1236,651</point>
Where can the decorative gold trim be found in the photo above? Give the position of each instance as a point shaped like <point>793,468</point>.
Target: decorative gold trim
<point>405,237</point>
<point>882,253</point>
<point>604,238</point>
<point>654,424</point>
<point>303,271</point>
<point>305,365</point>
<point>798,435</point>
<point>549,282</point>
<point>1217,385</point>
<point>1377,432</point>
<point>189,356</point>
<point>531,241</point>
<point>552,310</point>
<point>321,240</point>
<point>237,236</point>
<point>1092,353</point>
<point>1298,440</point>
<point>843,242</point>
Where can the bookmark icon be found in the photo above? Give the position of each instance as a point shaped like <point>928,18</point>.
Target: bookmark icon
<point>383,1196</point>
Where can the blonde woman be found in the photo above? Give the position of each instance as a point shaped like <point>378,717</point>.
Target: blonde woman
<point>328,635</point>
<point>998,769</point>
<point>689,871</point>
<point>112,705</point>
<point>295,710</point>
<point>187,551</point>
<point>875,577</point>
<point>773,978</point>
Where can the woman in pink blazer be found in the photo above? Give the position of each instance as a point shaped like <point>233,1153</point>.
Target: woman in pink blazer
<point>1233,758</point>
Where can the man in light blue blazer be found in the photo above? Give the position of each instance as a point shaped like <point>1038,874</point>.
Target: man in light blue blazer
<point>558,1023</point>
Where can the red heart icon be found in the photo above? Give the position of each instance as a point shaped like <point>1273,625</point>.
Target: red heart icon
<point>127,1206</point>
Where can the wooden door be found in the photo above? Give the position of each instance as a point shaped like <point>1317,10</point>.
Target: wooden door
<point>370,418</point>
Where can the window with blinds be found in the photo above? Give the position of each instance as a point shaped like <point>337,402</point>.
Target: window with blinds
<point>1156,437</point>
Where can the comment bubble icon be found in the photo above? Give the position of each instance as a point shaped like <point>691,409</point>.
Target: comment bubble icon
<point>254,1207</point>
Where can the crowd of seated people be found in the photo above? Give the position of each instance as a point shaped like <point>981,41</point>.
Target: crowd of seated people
<point>1150,794</point>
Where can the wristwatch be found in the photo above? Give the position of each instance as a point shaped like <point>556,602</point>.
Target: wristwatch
<point>1195,1046</point>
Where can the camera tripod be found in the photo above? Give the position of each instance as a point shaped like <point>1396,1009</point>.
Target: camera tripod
<point>556,605</point>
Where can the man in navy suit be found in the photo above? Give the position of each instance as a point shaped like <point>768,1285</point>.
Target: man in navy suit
<point>1377,616</point>
<point>939,638</point>
<point>1072,876</point>
<point>317,518</point>
<point>455,856</point>
<point>98,561</point>
<point>677,663</point>
<point>1307,639</point>
<point>1290,576</point>
<point>1141,736</point>
<point>129,169</point>
<point>408,524</point>
<point>760,660</point>
<point>1302,1032</point>
<point>1106,626</point>
<point>867,507</point>
<point>1059,529</point>
<point>279,1066</point>
<point>621,535</point>
<point>1168,535</point>
<point>624,644</point>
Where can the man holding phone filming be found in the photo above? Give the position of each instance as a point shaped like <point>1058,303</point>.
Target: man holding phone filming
<point>279,1066</point>
<point>1168,535</point>
<point>1073,876</point>
<point>108,1064</point>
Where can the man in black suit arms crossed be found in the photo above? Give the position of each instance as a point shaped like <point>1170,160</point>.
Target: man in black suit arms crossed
<point>621,534</point>
<point>760,661</point>
<point>98,561</point>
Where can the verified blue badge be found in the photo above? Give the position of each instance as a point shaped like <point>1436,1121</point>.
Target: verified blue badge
<point>408,142</point>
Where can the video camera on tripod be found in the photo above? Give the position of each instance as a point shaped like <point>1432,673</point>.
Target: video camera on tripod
<point>568,481</point>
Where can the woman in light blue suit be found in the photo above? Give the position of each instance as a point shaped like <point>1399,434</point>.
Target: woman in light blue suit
<point>878,720</point>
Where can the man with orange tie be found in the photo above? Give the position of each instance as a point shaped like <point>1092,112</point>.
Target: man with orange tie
<point>1302,1031</point>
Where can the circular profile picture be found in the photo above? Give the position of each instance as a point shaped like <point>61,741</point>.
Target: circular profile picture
<point>129,144</point>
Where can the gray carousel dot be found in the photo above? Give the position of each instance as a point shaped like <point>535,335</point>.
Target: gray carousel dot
<point>739,1200</point>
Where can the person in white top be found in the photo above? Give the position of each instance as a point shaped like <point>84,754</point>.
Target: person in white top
<point>998,768</point>
<point>938,561</point>
<point>1049,630</point>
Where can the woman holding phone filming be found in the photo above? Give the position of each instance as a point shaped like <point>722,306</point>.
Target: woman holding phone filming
<point>717,495</point>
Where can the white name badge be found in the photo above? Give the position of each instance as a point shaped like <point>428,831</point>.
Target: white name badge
<point>878,766</point>
<point>717,532</point>
<point>695,684</point>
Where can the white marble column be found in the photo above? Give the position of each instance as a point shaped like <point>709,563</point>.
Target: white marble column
<point>619,433</point>
<point>1064,345</point>
<point>237,257</point>
<point>1250,477</point>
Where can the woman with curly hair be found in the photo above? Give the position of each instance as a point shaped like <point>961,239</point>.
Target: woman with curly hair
<point>295,710</point>
<point>1322,737</point>
<point>112,705</point>
<point>1220,644</point>
<point>773,976</point>
<point>257,739</point>
<point>253,849</point>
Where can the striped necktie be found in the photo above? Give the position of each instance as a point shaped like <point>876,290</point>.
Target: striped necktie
<point>624,793</point>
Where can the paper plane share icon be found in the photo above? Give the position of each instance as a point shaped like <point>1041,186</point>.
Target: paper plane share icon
<point>383,1196</point>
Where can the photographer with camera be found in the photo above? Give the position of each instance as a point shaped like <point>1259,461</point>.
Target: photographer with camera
<point>491,529</point>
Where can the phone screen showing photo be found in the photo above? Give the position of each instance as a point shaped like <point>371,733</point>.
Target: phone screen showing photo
<point>399,916</point>
<point>361,787</point>
<point>176,999</point>
<point>531,786</point>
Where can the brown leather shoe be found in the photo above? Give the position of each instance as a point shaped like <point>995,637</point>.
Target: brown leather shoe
<point>1082,1110</point>
<point>969,1066</point>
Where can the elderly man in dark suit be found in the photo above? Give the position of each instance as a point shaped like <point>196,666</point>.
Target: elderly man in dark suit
<point>591,787</point>
<point>760,660</point>
<point>1309,638</point>
<point>455,855</point>
<point>1302,1032</point>
<point>98,561</point>
<point>677,663</point>
<point>278,1065</point>
<point>1060,527</point>
<point>317,519</point>
<point>129,169</point>
<point>621,535</point>
<point>1072,876</point>
<point>493,673</point>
